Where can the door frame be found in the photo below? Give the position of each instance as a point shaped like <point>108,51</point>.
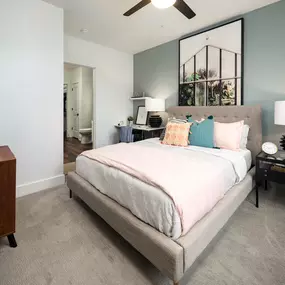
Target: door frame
<point>94,98</point>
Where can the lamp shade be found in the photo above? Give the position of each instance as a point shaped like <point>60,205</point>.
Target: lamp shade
<point>279,113</point>
<point>155,105</point>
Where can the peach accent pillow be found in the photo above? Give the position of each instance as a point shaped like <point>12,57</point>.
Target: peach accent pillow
<point>177,134</point>
<point>228,135</point>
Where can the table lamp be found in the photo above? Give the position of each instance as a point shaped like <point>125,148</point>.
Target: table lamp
<point>155,105</point>
<point>280,118</point>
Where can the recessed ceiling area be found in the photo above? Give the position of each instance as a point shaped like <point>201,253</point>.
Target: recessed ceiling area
<point>148,27</point>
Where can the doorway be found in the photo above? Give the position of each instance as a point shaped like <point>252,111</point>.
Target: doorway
<point>78,112</point>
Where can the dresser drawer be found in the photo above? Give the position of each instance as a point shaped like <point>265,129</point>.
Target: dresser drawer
<point>7,191</point>
<point>1,230</point>
<point>270,175</point>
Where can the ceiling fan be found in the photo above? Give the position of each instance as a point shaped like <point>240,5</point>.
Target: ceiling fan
<point>180,5</point>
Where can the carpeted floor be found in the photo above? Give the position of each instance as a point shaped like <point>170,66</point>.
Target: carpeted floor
<point>61,241</point>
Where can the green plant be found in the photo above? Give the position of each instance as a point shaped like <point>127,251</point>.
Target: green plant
<point>193,77</point>
<point>228,90</point>
<point>217,90</point>
<point>130,118</point>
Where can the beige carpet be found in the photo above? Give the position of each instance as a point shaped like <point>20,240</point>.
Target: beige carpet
<point>60,241</point>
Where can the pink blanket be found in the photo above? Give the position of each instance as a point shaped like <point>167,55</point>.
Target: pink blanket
<point>192,179</point>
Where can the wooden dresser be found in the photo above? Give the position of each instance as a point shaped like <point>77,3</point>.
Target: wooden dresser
<point>7,194</point>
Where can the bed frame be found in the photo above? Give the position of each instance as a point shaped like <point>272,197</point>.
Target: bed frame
<point>174,257</point>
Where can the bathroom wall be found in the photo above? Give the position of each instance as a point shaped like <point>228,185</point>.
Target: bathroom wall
<point>86,100</point>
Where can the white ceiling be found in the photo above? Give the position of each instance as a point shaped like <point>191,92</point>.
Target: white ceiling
<point>148,27</point>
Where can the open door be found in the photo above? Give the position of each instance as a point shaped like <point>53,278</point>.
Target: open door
<point>75,109</point>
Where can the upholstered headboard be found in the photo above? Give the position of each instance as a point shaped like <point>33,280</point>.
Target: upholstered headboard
<point>228,114</point>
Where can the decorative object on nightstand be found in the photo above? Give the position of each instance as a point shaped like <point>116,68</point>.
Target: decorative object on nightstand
<point>282,142</point>
<point>121,124</point>
<point>269,168</point>
<point>269,148</point>
<point>280,118</point>
<point>142,115</point>
<point>7,194</point>
<point>130,120</point>
<point>155,105</point>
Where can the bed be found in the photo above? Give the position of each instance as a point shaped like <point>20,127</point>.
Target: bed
<point>171,251</point>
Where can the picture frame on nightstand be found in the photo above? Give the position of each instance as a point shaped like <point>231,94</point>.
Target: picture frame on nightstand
<point>142,115</point>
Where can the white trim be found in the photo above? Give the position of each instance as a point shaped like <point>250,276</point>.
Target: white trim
<point>37,186</point>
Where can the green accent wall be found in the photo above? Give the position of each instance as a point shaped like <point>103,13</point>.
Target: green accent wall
<point>156,70</point>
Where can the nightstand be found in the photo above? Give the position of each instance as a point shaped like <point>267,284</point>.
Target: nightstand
<point>269,168</point>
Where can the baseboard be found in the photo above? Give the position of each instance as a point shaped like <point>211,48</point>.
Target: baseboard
<point>37,186</point>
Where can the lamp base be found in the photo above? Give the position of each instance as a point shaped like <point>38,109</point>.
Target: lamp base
<point>282,142</point>
<point>155,121</point>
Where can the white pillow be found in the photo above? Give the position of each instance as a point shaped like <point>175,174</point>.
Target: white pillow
<point>244,133</point>
<point>228,135</point>
<point>244,136</point>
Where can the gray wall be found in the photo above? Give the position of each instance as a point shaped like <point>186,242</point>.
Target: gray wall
<point>156,70</point>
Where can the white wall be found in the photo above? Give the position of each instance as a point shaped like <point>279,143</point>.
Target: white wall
<point>31,104</point>
<point>113,81</point>
<point>226,37</point>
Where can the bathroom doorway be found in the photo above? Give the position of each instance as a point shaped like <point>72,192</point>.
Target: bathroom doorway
<point>78,112</point>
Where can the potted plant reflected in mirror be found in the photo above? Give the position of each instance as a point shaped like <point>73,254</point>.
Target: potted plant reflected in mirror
<point>130,120</point>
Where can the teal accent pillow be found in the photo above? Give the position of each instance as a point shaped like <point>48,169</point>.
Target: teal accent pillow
<point>202,134</point>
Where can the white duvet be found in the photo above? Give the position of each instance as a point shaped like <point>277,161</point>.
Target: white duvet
<point>150,204</point>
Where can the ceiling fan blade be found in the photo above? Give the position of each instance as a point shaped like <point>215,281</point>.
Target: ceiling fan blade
<point>182,7</point>
<point>137,7</point>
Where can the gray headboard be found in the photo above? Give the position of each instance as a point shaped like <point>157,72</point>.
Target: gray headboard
<point>228,114</point>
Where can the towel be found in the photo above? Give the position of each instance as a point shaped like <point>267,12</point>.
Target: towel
<point>126,134</point>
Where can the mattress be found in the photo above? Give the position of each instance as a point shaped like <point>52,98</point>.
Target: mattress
<point>149,204</point>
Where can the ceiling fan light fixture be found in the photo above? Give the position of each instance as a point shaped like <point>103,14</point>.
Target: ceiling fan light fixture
<point>162,4</point>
